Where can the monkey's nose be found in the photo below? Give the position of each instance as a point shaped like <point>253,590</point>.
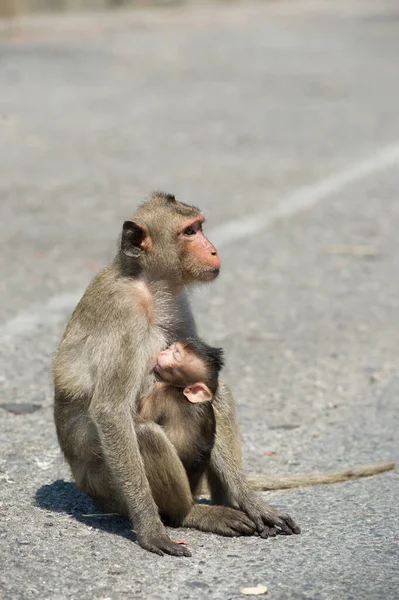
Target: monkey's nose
<point>215,260</point>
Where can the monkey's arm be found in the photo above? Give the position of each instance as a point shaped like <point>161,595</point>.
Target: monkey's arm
<point>110,410</point>
<point>227,482</point>
<point>266,482</point>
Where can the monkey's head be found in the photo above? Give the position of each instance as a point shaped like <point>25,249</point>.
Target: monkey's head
<point>193,366</point>
<point>164,240</point>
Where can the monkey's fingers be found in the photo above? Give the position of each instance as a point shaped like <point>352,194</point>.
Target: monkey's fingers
<point>267,519</point>
<point>290,524</point>
<point>164,545</point>
<point>243,524</point>
<point>246,521</point>
<point>282,521</point>
<point>256,516</point>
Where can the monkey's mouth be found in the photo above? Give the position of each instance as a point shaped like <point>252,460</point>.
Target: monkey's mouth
<point>156,368</point>
<point>159,370</point>
<point>210,274</point>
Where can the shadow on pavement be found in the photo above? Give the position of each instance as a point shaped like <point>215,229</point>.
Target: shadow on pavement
<point>64,497</point>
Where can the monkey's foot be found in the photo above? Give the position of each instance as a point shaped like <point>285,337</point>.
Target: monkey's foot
<point>219,519</point>
<point>269,522</point>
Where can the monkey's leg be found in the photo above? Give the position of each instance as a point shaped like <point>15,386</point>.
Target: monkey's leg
<point>166,475</point>
<point>225,476</point>
<point>93,477</point>
<point>171,491</point>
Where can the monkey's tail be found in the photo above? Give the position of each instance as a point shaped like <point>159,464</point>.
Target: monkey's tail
<point>264,482</point>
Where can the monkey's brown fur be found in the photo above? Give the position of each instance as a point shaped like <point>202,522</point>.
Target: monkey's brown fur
<point>190,427</point>
<point>131,311</point>
<point>264,483</point>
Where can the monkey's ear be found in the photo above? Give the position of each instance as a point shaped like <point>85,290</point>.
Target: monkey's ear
<point>134,239</point>
<point>197,392</point>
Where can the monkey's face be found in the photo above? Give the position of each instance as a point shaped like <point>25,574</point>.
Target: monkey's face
<point>178,366</point>
<point>199,258</point>
<point>166,242</point>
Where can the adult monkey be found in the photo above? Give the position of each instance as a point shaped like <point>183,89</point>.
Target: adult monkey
<point>131,311</point>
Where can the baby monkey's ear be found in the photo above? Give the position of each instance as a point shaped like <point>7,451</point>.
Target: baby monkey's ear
<point>197,392</point>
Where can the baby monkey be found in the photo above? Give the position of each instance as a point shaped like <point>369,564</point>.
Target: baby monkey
<point>180,403</point>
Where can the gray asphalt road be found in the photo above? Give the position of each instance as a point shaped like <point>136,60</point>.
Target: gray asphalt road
<point>236,110</point>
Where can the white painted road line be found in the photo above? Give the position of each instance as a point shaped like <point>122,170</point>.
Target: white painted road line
<point>304,198</point>
<point>34,319</point>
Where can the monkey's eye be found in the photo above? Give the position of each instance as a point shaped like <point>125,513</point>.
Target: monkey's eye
<point>193,229</point>
<point>177,356</point>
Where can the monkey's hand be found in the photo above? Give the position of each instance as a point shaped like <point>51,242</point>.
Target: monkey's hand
<point>160,543</point>
<point>268,521</point>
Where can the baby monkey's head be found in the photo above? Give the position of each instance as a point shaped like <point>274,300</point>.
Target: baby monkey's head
<point>193,366</point>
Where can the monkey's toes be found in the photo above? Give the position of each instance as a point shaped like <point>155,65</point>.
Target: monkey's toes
<point>287,525</point>
<point>268,521</point>
<point>165,546</point>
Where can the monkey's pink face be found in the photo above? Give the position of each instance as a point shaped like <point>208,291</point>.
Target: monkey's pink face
<point>178,366</point>
<point>202,260</point>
